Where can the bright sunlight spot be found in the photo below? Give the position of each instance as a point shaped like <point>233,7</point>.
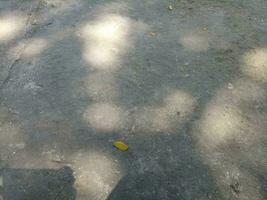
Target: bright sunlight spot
<point>105,41</point>
<point>220,124</point>
<point>104,117</point>
<point>223,119</point>
<point>256,64</point>
<point>96,173</point>
<point>174,109</point>
<point>10,26</point>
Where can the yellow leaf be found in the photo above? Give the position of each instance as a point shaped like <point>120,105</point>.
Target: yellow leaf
<point>120,145</point>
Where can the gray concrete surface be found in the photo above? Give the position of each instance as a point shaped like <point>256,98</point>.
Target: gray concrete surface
<point>184,86</point>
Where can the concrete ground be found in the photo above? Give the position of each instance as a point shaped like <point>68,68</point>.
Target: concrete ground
<point>182,82</point>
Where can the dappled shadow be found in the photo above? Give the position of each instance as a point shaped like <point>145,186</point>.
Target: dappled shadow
<point>231,135</point>
<point>169,83</point>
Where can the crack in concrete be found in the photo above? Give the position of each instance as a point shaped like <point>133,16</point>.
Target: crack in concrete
<point>31,14</point>
<point>9,73</point>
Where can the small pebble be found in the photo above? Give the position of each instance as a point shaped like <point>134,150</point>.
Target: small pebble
<point>152,34</point>
<point>170,7</point>
<point>187,75</point>
<point>230,86</point>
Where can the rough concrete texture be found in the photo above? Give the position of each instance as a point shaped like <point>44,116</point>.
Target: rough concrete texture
<point>184,86</point>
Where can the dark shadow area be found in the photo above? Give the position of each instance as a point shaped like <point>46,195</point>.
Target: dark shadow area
<point>32,184</point>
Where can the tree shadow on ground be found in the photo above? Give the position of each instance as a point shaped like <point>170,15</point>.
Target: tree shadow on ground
<point>158,89</point>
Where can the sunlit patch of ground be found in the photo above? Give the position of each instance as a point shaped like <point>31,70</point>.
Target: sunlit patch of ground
<point>222,124</point>
<point>96,174</point>
<point>229,133</point>
<point>10,27</point>
<point>104,117</point>
<point>105,41</point>
<point>35,47</point>
<point>174,109</point>
<point>255,64</point>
